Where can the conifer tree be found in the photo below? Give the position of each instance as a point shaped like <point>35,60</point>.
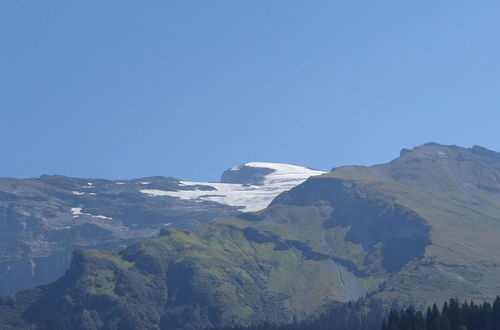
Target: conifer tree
<point>428,318</point>
<point>436,316</point>
<point>495,315</point>
<point>444,323</point>
<point>454,313</point>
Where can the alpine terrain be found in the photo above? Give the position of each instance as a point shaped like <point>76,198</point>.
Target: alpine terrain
<point>417,230</point>
<point>43,220</point>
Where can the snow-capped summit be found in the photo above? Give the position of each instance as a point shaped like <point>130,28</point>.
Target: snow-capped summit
<point>251,186</point>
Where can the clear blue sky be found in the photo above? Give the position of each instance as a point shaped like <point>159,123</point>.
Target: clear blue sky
<point>122,89</point>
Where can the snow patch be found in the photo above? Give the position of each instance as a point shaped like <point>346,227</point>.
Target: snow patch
<point>249,197</point>
<point>77,211</point>
<point>33,267</point>
<point>77,193</point>
<point>441,154</point>
<point>102,217</point>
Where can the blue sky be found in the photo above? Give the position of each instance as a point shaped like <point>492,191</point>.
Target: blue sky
<point>122,89</point>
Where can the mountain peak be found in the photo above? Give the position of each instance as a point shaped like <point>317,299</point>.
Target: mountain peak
<point>433,150</point>
<point>246,174</point>
<point>259,173</point>
<point>436,165</point>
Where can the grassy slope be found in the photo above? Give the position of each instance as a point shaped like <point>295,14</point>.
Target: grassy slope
<point>464,219</point>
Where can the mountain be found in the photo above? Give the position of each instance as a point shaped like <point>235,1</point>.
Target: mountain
<point>43,220</point>
<point>417,230</point>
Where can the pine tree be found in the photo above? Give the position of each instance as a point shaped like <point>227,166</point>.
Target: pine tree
<point>420,321</point>
<point>436,316</point>
<point>444,323</point>
<point>407,319</point>
<point>473,321</point>
<point>393,321</point>
<point>454,313</point>
<point>485,316</point>
<point>428,318</point>
<point>465,313</point>
<point>495,315</point>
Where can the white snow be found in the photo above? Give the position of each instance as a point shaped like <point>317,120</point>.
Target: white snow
<point>33,267</point>
<point>102,217</point>
<point>144,182</point>
<point>249,197</point>
<point>77,211</point>
<point>119,182</point>
<point>441,154</point>
<point>77,193</point>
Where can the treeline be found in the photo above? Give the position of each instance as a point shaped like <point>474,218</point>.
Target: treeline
<point>452,316</point>
<point>359,315</point>
<point>362,315</point>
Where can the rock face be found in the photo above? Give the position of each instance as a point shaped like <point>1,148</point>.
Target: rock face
<point>246,175</point>
<point>43,220</point>
<point>418,230</point>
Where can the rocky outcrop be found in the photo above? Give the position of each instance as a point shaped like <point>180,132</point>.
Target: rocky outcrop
<point>246,175</point>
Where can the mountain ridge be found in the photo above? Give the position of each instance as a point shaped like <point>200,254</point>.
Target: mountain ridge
<point>416,230</point>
